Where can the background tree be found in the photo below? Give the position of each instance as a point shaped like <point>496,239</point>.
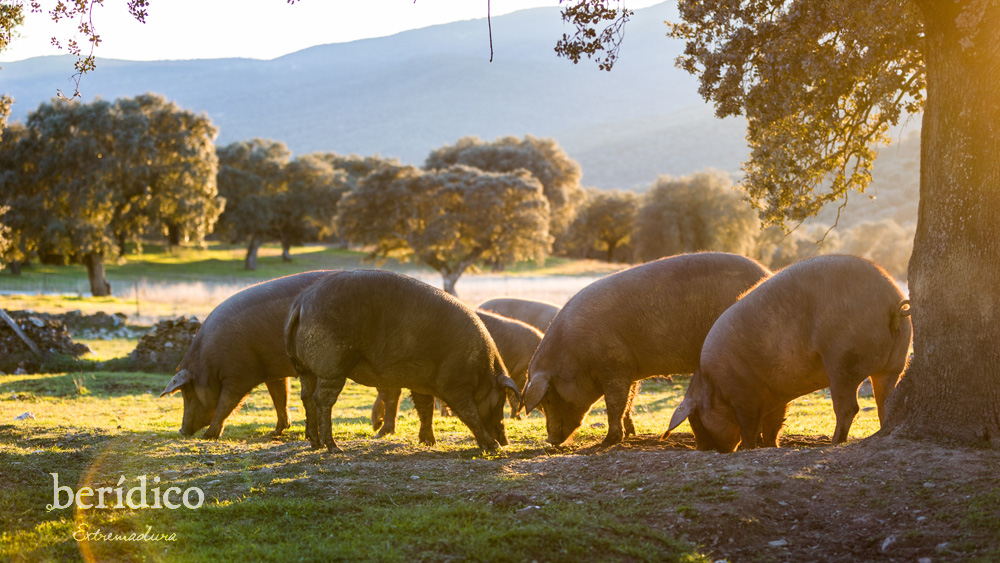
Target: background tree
<point>355,167</point>
<point>543,158</point>
<point>184,201</point>
<point>308,202</point>
<point>22,224</point>
<point>820,84</point>
<point>605,223</point>
<point>251,175</point>
<point>693,213</point>
<point>72,144</point>
<point>448,219</point>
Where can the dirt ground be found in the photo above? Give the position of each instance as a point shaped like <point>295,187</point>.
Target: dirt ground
<point>880,499</point>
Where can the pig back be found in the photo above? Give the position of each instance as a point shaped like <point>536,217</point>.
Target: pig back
<point>243,337</point>
<point>832,306</point>
<point>390,320</point>
<point>515,340</point>
<point>654,316</point>
<point>538,314</point>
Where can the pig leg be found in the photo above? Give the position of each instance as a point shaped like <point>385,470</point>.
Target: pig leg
<point>748,416</point>
<point>627,423</point>
<point>845,407</point>
<point>424,404</point>
<point>378,411</point>
<point>326,394</point>
<point>771,426</point>
<point>309,404</point>
<point>228,401</point>
<point>279,390</point>
<point>616,397</point>
<point>882,385</point>
<point>444,409</point>
<point>390,402</point>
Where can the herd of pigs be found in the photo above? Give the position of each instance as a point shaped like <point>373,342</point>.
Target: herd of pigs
<point>752,340</point>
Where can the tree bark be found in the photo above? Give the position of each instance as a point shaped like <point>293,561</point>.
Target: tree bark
<point>15,267</point>
<point>250,262</point>
<point>286,250</point>
<point>99,286</point>
<point>173,236</point>
<point>951,392</point>
<point>450,279</point>
<point>611,251</point>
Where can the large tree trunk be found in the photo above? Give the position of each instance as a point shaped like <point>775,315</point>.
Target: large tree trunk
<point>250,262</point>
<point>951,391</point>
<point>286,250</point>
<point>611,251</point>
<point>450,279</point>
<point>99,286</point>
<point>15,267</point>
<point>173,236</point>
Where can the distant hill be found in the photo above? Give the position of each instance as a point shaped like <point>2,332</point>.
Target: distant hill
<point>404,95</point>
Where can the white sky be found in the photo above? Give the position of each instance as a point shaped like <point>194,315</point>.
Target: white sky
<point>260,29</point>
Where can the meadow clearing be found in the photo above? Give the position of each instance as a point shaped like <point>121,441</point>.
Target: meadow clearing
<point>392,499</point>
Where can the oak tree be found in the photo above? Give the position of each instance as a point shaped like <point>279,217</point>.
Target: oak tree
<point>448,219</point>
<point>694,213</point>
<point>605,223</point>
<point>543,158</point>
<point>251,175</point>
<point>307,202</point>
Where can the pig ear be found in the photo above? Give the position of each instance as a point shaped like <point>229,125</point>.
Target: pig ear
<point>534,391</point>
<point>178,380</point>
<point>680,414</point>
<point>511,388</point>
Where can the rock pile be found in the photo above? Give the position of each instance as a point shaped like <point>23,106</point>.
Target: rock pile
<point>49,334</point>
<point>163,347</point>
<point>99,325</point>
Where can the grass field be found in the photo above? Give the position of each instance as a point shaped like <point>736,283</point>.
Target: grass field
<point>392,499</point>
<point>389,499</point>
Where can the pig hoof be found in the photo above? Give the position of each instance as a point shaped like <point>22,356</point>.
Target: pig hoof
<point>383,433</point>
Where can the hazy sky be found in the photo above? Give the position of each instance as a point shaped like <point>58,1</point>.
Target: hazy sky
<point>261,29</point>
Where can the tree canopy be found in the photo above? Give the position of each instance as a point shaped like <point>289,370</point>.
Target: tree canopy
<point>82,180</point>
<point>449,218</point>
<point>694,213</point>
<point>251,175</point>
<point>543,158</point>
<point>605,223</point>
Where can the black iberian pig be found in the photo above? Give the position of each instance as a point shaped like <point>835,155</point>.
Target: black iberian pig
<point>641,322</point>
<point>240,345</point>
<point>829,321</point>
<point>516,341</point>
<point>538,314</point>
<point>384,329</point>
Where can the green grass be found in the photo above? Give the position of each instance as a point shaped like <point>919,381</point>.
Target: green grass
<point>387,500</point>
